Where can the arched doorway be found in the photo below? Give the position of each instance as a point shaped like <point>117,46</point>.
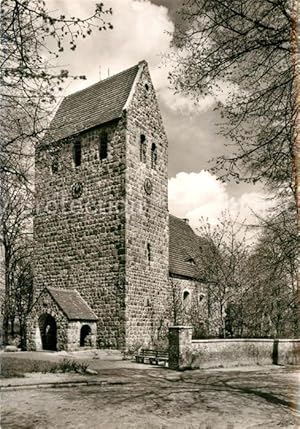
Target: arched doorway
<point>48,331</point>
<point>85,336</point>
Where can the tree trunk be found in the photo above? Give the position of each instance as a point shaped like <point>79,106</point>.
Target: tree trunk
<point>22,323</point>
<point>6,312</point>
<point>296,128</point>
<point>296,103</point>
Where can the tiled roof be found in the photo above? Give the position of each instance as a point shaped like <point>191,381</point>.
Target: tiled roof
<point>72,304</point>
<point>184,250</point>
<point>92,106</point>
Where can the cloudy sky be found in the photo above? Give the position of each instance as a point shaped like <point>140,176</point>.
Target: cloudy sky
<point>143,30</point>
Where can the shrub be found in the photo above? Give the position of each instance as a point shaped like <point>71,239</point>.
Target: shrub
<point>68,365</point>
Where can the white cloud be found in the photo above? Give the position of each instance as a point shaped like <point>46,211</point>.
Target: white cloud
<point>197,195</point>
<point>190,192</point>
<point>141,30</point>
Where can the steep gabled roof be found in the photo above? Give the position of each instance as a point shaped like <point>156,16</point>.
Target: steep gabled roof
<point>184,249</point>
<point>102,102</point>
<point>72,304</point>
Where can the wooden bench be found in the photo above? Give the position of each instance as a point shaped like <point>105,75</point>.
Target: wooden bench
<point>145,354</point>
<point>154,357</point>
<point>161,357</point>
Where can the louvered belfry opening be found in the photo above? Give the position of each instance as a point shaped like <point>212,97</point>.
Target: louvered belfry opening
<point>103,145</point>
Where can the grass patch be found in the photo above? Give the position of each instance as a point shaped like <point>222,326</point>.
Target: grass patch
<point>69,365</point>
<point>17,367</point>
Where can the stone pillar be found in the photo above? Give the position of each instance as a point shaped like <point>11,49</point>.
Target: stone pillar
<point>180,339</point>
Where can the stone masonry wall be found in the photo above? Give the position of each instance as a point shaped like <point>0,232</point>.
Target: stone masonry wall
<point>46,305</point>
<point>184,352</point>
<point>189,304</point>
<point>80,241</point>
<point>74,329</point>
<point>147,235</point>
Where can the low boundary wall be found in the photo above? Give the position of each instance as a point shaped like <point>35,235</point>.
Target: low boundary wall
<point>185,353</point>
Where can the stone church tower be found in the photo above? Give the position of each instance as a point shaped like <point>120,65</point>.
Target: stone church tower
<point>101,226</point>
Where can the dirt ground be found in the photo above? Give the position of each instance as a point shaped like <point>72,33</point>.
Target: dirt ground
<point>159,398</point>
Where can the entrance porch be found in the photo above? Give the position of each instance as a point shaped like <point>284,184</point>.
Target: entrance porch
<point>61,320</point>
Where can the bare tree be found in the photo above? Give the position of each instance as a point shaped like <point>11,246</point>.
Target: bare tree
<point>200,314</point>
<point>248,47</point>
<point>31,40</point>
<point>252,289</point>
<point>21,292</point>
<point>272,297</point>
<point>222,266</point>
<point>16,212</point>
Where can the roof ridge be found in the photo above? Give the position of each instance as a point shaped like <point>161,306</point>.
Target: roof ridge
<point>176,217</point>
<point>179,218</point>
<point>61,288</point>
<point>101,81</point>
<point>184,222</point>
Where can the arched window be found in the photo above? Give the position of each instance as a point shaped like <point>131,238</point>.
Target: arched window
<point>153,156</point>
<point>186,297</point>
<point>85,336</point>
<point>143,148</point>
<point>103,145</point>
<point>77,153</point>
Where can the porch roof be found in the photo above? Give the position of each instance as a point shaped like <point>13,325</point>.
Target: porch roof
<point>72,304</point>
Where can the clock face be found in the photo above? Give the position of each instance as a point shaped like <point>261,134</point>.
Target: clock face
<point>77,190</point>
<point>148,186</point>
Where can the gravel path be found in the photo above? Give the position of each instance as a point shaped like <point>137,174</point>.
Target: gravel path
<point>160,398</point>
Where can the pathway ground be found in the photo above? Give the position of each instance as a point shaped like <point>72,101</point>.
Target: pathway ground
<point>128,395</point>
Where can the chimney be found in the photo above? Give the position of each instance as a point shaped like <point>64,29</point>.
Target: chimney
<point>186,220</point>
